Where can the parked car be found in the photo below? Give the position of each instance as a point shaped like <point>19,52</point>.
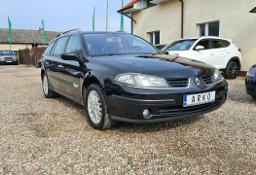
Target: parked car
<point>119,77</point>
<point>8,57</point>
<point>250,81</point>
<point>219,52</point>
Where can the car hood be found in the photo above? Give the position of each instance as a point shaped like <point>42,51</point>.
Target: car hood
<point>158,65</point>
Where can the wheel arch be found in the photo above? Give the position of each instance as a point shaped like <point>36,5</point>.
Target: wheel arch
<point>235,59</point>
<point>88,80</point>
<point>42,73</point>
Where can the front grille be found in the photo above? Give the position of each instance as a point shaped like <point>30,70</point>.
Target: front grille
<point>207,80</point>
<point>177,82</point>
<point>192,110</point>
<point>8,58</point>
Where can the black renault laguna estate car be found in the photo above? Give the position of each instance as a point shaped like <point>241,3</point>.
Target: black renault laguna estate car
<point>119,77</point>
<point>250,81</point>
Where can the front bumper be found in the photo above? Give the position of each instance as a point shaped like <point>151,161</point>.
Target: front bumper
<point>163,106</point>
<point>250,85</point>
<point>8,60</point>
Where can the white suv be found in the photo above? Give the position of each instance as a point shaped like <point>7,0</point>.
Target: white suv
<point>219,52</point>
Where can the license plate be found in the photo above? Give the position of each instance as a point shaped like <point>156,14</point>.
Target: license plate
<point>197,99</point>
<point>8,61</point>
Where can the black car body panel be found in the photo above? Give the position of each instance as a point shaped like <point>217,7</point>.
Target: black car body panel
<point>126,103</point>
<point>250,81</point>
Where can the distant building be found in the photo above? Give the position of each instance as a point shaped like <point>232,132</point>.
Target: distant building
<point>22,39</point>
<point>163,21</point>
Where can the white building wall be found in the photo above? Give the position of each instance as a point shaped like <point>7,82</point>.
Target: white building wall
<point>236,22</point>
<point>164,17</point>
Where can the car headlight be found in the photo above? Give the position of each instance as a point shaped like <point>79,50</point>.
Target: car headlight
<point>217,75</point>
<point>251,72</point>
<point>141,80</point>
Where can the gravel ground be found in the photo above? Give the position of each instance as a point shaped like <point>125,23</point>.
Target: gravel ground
<point>50,136</point>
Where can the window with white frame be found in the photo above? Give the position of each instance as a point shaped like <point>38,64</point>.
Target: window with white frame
<point>154,37</point>
<point>209,29</point>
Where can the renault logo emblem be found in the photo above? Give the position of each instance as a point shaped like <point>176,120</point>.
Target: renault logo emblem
<point>198,82</point>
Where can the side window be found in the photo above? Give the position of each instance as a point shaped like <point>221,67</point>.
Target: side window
<point>60,46</point>
<point>217,43</point>
<point>49,48</point>
<point>74,45</point>
<point>225,43</point>
<point>205,43</point>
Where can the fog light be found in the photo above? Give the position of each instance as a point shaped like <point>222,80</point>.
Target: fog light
<point>146,114</point>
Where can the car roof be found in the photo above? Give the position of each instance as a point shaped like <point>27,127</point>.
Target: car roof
<point>88,32</point>
<point>78,31</point>
<point>205,37</point>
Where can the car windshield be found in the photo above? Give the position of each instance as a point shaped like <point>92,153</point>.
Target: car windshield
<point>116,44</point>
<point>7,52</point>
<point>180,45</point>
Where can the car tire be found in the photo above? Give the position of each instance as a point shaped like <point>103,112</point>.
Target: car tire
<point>232,70</point>
<point>96,108</point>
<point>48,93</point>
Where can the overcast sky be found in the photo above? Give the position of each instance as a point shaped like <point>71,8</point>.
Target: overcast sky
<point>61,15</point>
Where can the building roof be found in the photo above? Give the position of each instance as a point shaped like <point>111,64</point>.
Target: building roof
<point>253,10</point>
<point>127,6</point>
<point>22,36</point>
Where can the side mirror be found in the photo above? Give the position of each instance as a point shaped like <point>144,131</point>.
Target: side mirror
<point>70,56</point>
<point>165,52</point>
<point>199,47</point>
<point>39,64</point>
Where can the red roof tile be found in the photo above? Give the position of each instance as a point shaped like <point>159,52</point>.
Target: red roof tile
<point>129,5</point>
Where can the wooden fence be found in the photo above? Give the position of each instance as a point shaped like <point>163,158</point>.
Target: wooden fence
<point>30,57</point>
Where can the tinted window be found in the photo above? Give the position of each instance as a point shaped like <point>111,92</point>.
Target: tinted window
<point>73,45</point>
<point>226,43</point>
<point>105,44</point>
<point>205,43</point>
<point>49,49</point>
<point>60,46</point>
<point>219,43</point>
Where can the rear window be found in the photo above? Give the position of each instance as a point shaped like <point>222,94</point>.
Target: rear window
<point>7,52</point>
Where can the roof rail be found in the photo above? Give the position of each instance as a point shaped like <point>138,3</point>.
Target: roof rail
<point>68,31</point>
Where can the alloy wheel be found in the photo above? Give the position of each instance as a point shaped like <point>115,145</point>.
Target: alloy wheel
<point>233,71</point>
<point>94,107</point>
<point>45,85</point>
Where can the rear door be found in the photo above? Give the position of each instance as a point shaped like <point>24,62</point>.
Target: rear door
<point>220,52</point>
<point>50,65</point>
<point>54,68</point>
